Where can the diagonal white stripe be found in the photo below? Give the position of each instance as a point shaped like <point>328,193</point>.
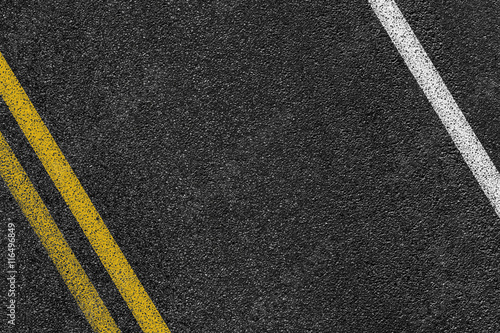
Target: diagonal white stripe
<point>441,100</point>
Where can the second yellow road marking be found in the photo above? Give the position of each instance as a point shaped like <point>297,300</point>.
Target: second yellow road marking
<point>52,239</point>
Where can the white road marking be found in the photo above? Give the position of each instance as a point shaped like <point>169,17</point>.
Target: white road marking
<point>441,100</point>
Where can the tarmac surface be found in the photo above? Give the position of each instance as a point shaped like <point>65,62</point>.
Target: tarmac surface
<point>264,166</point>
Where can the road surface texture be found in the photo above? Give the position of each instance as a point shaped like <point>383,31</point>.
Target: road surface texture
<point>265,166</point>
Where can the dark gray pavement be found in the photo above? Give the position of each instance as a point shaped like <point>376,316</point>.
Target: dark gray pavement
<point>264,166</point>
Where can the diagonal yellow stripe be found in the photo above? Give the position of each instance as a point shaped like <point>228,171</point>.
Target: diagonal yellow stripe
<point>52,239</point>
<point>79,203</point>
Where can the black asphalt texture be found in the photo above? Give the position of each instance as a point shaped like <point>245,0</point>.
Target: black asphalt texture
<point>265,166</point>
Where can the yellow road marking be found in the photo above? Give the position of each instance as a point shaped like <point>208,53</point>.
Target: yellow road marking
<point>53,240</point>
<point>79,203</point>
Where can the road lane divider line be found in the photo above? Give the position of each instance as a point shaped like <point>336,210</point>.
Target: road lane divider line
<point>440,98</point>
<point>65,180</point>
<point>53,240</point>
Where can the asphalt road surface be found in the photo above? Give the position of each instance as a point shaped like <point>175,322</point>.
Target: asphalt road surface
<point>265,166</point>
